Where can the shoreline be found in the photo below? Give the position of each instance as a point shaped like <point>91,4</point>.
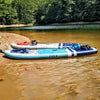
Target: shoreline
<point>76,23</point>
<point>69,23</point>
<point>13,25</point>
<point>7,38</point>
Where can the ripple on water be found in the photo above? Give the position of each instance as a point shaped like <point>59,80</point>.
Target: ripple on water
<point>57,79</point>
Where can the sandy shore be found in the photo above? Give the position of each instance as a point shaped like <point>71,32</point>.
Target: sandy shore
<point>14,25</point>
<point>7,38</point>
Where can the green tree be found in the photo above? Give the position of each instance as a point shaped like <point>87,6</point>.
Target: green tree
<point>40,9</point>
<point>8,14</point>
<point>84,10</point>
<point>48,11</point>
<point>25,11</point>
<point>97,13</point>
<point>57,11</point>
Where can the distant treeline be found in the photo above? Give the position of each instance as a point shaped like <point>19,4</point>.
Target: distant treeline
<point>48,11</point>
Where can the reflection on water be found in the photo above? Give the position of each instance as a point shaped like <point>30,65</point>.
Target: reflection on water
<point>57,27</point>
<point>57,79</point>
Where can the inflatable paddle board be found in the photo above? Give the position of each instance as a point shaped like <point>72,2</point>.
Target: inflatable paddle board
<point>47,53</point>
<point>42,45</point>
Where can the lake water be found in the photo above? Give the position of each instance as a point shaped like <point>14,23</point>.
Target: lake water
<point>76,78</point>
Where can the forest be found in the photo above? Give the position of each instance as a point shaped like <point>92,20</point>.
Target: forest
<point>42,12</point>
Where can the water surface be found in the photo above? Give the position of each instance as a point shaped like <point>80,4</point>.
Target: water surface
<point>75,78</point>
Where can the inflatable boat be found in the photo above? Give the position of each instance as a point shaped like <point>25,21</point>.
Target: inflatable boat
<point>48,53</point>
<point>35,45</point>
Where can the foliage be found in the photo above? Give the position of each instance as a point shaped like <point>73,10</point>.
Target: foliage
<point>48,11</point>
<point>8,14</point>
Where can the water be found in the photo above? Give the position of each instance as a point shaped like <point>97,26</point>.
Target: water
<point>57,27</point>
<point>75,78</point>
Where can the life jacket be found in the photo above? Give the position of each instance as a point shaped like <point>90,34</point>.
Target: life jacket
<point>24,50</point>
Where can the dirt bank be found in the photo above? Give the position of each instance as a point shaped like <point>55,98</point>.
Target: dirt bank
<point>6,39</point>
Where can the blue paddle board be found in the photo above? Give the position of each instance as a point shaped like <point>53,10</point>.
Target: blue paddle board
<point>48,53</point>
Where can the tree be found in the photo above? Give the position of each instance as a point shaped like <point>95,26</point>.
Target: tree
<point>84,10</point>
<point>48,11</point>
<point>25,10</point>
<point>57,11</point>
<point>8,14</point>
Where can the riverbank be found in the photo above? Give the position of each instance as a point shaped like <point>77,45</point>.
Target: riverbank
<point>56,26</point>
<point>13,25</point>
<point>69,23</point>
<point>7,38</point>
<point>76,23</point>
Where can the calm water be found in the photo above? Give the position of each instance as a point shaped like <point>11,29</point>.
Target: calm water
<point>75,78</point>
